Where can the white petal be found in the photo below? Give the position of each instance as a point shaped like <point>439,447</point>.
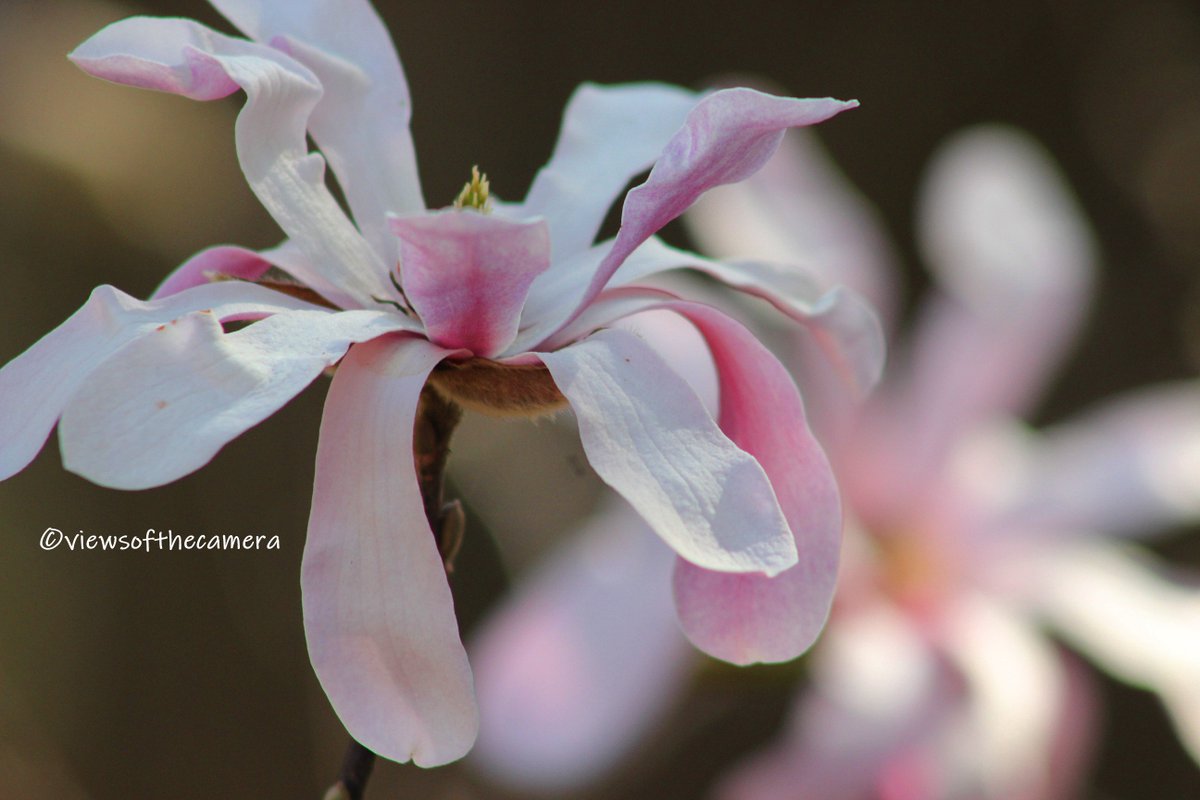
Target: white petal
<point>609,134</point>
<point>184,57</point>
<point>841,323</point>
<point>1015,689</point>
<point>1115,605</point>
<point>648,436</point>
<point>36,386</point>
<point>378,614</point>
<point>166,403</point>
<point>362,120</point>
<point>800,209</point>
<point>1130,467</point>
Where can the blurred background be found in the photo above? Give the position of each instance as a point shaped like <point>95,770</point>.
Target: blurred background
<point>184,675</point>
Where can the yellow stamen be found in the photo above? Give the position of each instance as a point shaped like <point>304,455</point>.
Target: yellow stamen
<point>475,193</point>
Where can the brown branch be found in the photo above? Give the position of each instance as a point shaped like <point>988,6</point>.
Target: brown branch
<point>436,420</point>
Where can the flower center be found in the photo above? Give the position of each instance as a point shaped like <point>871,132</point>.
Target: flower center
<point>474,194</point>
<point>499,390</point>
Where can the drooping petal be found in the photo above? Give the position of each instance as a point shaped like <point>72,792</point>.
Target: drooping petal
<point>879,694</point>
<point>1131,467</point>
<point>609,134</point>
<point>378,614</point>
<point>36,386</point>
<point>800,209</point>
<point>164,404</point>
<point>582,661</point>
<point>1120,609</point>
<point>467,274</point>
<point>647,435</point>
<point>1014,259</point>
<point>184,57</point>
<point>748,618</point>
<point>727,137</point>
<point>840,322</point>
<point>362,120</point>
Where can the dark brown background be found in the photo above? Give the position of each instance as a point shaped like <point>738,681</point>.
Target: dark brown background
<point>184,675</point>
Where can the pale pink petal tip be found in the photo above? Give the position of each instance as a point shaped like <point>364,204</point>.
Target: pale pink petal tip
<point>998,222</point>
<point>726,138</point>
<point>154,53</point>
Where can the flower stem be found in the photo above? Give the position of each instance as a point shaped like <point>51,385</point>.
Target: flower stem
<point>436,420</point>
<point>356,769</point>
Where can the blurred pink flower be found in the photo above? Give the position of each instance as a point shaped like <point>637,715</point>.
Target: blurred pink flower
<point>501,306</point>
<point>966,531</point>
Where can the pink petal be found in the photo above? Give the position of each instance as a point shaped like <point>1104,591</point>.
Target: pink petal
<point>249,265</point>
<point>800,209</point>
<point>1130,467</point>
<point>1000,228</point>
<point>647,435</point>
<point>36,386</point>
<point>842,325</point>
<point>727,137</point>
<point>236,262</point>
<point>164,404</point>
<point>878,695</point>
<point>467,274</point>
<point>748,618</point>
<point>361,122</point>
<point>184,57</point>
<point>1120,608</point>
<point>609,134</point>
<point>378,613</point>
<point>573,670</point>
<point>1014,257</point>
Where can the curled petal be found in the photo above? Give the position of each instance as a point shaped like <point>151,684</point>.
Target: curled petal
<point>582,660</point>
<point>362,120</point>
<point>609,134</point>
<point>648,436</point>
<point>378,614</point>
<point>800,209</point>
<point>840,322</point>
<point>164,404</point>
<point>727,137</point>
<point>467,275</point>
<point>184,57</point>
<point>36,386</point>
<point>748,618</point>
<point>227,260</point>
<point>250,265</point>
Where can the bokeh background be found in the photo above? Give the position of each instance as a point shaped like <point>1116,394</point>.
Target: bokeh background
<point>184,675</point>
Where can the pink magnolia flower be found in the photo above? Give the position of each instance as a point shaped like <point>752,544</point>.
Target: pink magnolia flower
<point>508,311</point>
<point>967,533</point>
